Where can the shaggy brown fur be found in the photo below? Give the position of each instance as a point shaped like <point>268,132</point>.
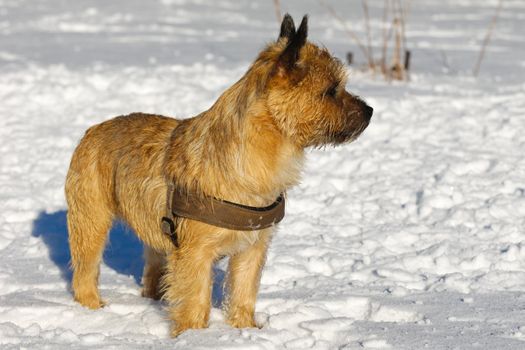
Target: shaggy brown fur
<point>247,148</point>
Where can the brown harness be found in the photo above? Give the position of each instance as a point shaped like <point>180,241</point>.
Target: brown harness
<point>218,213</point>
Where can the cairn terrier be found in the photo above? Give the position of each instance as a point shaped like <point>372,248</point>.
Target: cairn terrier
<point>248,148</point>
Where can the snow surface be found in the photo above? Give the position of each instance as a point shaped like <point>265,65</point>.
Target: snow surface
<point>410,238</point>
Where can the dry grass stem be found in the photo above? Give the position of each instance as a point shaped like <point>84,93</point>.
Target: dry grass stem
<point>393,26</point>
<point>348,30</point>
<point>371,62</point>
<point>386,36</point>
<point>277,5</point>
<point>487,38</point>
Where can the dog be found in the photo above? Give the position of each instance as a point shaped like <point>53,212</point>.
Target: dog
<point>248,148</point>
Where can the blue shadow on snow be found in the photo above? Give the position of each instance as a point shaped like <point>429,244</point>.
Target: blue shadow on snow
<point>123,251</point>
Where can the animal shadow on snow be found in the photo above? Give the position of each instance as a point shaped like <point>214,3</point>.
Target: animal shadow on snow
<point>123,251</point>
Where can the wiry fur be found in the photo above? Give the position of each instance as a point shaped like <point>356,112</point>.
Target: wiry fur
<point>247,148</point>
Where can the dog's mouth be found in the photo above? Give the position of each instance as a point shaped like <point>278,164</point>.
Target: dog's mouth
<point>352,127</point>
<point>349,135</point>
<point>358,120</point>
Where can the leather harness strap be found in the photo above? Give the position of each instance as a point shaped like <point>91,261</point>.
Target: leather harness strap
<point>169,223</point>
<point>218,213</point>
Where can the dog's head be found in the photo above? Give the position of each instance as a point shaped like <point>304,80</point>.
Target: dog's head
<point>305,92</point>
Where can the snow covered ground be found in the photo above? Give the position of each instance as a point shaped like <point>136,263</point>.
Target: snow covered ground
<point>413,237</point>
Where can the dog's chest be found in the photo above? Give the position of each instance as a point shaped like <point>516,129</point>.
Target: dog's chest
<point>235,242</point>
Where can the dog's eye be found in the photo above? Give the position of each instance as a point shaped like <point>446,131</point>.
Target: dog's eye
<point>331,91</point>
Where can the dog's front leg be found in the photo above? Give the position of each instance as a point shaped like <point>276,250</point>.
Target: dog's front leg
<point>189,284</point>
<point>244,274</point>
<point>154,266</point>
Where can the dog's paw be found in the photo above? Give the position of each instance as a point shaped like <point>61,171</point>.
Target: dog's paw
<point>152,294</point>
<point>241,318</point>
<point>243,323</point>
<point>91,302</point>
<point>176,331</point>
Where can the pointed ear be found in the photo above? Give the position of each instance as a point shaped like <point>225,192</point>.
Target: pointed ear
<point>290,54</point>
<point>287,27</point>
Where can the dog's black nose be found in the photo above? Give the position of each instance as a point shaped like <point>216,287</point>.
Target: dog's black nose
<point>369,111</point>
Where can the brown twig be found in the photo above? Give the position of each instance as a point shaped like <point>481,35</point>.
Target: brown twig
<point>487,38</point>
<point>371,62</point>
<point>402,21</point>
<point>277,5</point>
<point>349,31</point>
<point>401,16</point>
<point>405,11</point>
<point>397,69</point>
<point>386,35</point>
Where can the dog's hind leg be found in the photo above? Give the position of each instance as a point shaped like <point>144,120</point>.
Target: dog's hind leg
<point>89,219</point>
<point>87,238</point>
<point>154,266</point>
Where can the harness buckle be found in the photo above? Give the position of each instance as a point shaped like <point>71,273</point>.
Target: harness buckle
<point>169,228</point>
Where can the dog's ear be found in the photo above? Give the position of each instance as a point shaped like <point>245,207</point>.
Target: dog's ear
<point>290,55</point>
<point>287,28</point>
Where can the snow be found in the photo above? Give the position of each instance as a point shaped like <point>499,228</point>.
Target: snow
<point>410,238</point>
